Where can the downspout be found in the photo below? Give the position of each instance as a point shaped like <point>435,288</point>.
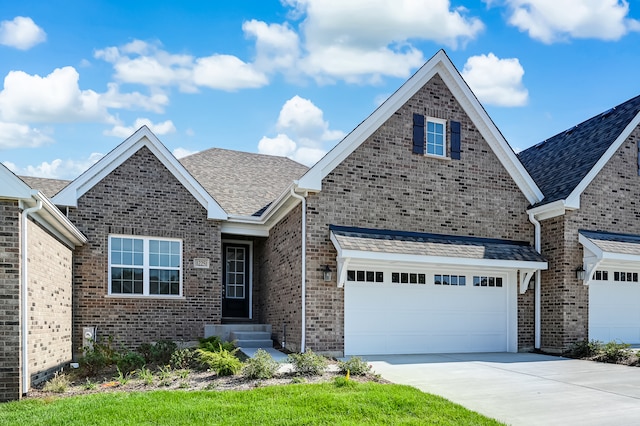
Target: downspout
<point>537,304</point>
<point>24,294</point>
<point>303,287</point>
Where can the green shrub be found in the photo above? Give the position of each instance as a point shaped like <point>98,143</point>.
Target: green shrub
<point>100,355</point>
<point>261,366</point>
<point>355,366</point>
<point>159,353</point>
<point>585,349</point>
<point>308,363</point>
<point>183,358</point>
<point>214,344</point>
<point>614,352</point>
<point>130,361</point>
<point>223,361</point>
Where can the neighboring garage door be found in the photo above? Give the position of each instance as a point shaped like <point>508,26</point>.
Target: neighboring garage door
<point>397,312</point>
<point>614,307</point>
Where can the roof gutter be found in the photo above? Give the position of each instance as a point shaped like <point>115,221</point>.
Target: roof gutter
<point>303,284</point>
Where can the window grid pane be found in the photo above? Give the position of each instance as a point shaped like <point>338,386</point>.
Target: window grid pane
<point>163,255</point>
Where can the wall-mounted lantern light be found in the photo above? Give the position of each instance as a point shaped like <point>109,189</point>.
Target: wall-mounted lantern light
<point>326,272</point>
<point>580,273</point>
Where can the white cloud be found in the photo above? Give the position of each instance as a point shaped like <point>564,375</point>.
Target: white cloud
<point>14,135</point>
<point>277,46</point>
<point>496,81</point>
<point>551,20</point>
<point>58,98</point>
<point>54,98</point>
<point>360,40</point>
<point>183,152</point>
<point>227,72</point>
<point>21,33</point>
<point>121,131</point>
<point>144,63</point>
<point>303,132</point>
<point>58,168</point>
<point>281,146</point>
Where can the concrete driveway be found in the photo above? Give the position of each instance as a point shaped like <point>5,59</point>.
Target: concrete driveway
<point>523,388</point>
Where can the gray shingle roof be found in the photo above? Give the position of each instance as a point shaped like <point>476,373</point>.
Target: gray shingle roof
<point>242,183</point>
<point>415,243</point>
<point>559,164</point>
<point>614,243</point>
<point>48,187</point>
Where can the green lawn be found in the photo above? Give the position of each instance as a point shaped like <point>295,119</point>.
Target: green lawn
<point>309,404</point>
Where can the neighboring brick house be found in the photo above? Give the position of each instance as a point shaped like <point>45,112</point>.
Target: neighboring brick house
<point>590,218</point>
<point>419,232</point>
<point>36,245</point>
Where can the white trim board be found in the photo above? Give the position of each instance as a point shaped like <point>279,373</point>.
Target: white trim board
<point>143,137</point>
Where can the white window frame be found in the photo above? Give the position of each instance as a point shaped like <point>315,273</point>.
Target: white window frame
<point>146,267</point>
<point>444,137</point>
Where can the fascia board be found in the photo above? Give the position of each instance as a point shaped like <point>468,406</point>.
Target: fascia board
<point>13,188</point>
<point>312,180</point>
<point>442,65</point>
<point>440,260</point>
<point>573,200</point>
<point>69,195</point>
<point>590,246</point>
<point>548,211</point>
<point>248,229</point>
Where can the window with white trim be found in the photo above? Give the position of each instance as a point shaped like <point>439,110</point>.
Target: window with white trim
<point>621,276</point>
<point>145,266</point>
<point>450,280</point>
<point>601,276</point>
<point>436,137</point>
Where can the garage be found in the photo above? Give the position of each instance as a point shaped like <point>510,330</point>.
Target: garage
<point>614,312</point>
<point>411,293</point>
<point>612,270</point>
<point>453,315</point>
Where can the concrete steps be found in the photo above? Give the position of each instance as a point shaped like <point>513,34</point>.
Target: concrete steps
<point>245,335</point>
<point>252,339</point>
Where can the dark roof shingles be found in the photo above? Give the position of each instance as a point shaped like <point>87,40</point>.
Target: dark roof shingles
<point>559,164</point>
<point>424,244</point>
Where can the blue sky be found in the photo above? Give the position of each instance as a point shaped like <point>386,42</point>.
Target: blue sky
<point>291,77</point>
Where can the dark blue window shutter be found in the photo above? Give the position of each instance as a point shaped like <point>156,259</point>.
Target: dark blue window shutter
<point>418,134</point>
<point>455,140</point>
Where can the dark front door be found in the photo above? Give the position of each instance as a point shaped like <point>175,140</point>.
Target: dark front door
<point>235,286</point>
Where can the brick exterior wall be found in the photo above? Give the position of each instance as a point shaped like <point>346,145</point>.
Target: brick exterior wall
<point>610,203</point>
<point>279,265</point>
<point>50,303</point>
<point>10,353</point>
<point>382,184</point>
<point>142,198</point>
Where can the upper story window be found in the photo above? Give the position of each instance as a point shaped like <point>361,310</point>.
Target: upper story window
<point>145,266</point>
<point>430,137</point>
<point>436,137</point>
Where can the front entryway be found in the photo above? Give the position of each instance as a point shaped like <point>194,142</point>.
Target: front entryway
<point>236,286</point>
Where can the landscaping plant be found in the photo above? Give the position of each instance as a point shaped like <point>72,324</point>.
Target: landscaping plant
<point>308,363</point>
<point>355,366</point>
<point>261,366</point>
<point>223,362</point>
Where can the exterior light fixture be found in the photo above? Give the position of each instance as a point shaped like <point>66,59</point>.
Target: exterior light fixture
<point>326,272</point>
<point>580,273</point>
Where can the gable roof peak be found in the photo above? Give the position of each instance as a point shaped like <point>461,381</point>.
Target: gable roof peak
<point>564,164</point>
<point>439,64</point>
<point>143,137</point>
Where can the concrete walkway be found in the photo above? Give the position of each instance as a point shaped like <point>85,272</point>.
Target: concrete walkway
<point>523,389</point>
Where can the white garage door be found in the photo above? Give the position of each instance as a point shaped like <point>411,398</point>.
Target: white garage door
<point>614,308</point>
<point>431,315</point>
